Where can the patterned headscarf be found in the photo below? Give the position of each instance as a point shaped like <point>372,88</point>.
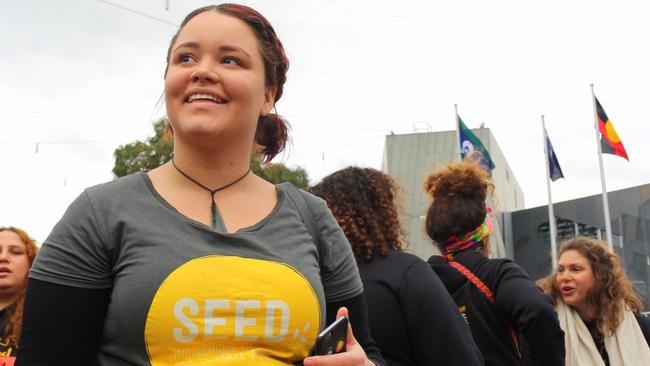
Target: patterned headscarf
<point>456,244</point>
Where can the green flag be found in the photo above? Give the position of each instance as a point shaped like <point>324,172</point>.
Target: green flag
<point>470,143</point>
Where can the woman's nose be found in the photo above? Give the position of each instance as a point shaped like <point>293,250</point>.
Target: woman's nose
<point>203,74</point>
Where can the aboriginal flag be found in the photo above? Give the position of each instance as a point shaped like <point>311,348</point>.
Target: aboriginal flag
<point>610,143</point>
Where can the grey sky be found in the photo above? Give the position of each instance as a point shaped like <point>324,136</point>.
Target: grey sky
<point>90,74</point>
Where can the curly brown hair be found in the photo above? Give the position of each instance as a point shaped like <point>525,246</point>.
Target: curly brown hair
<point>14,325</point>
<point>612,290</point>
<point>363,201</point>
<point>458,191</point>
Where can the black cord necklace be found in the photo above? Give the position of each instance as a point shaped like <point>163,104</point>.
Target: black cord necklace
<point>213,206</point>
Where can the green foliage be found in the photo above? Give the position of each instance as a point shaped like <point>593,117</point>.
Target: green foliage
<point>278,173</point>
<point>155,151</point>
<point>142,156</point>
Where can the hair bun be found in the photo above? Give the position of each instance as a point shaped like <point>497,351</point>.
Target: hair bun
<point>465,180</point>
<point>272,134</point>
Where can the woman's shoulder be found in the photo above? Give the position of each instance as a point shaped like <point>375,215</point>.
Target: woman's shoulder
<point>118,187</point>
<point>316,205</point>
<point>405,257</point>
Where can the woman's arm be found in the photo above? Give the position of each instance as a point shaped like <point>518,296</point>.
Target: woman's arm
<point>531,313</point>
<point>61,324</point>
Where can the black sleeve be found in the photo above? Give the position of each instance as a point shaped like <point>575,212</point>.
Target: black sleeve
<point>358,314</point>
<point>644,324</point>
<point>532,315</point>
<point>438,332</point>
<point>61,324</point>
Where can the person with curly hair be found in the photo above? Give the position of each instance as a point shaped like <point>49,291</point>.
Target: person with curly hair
<point>597,307</point>
<point>411,316</point>
<point>17,253</point>
<point>513,322</point>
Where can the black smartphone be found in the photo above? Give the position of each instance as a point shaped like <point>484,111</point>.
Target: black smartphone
<point>332,339</point>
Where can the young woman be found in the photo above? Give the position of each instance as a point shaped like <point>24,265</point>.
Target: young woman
<point>200,262</point>
<point>597,307</point>
<point>411,315</point>
<point>17,252</point>
<point>512,321</point>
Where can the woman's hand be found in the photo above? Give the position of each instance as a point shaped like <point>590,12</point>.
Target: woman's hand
<point>354,354</point>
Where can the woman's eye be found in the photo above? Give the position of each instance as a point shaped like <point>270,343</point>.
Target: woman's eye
<point>231,61</point>
<point>185,58</point>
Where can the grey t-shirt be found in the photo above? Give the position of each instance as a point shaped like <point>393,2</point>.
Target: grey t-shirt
<point>186,294</point>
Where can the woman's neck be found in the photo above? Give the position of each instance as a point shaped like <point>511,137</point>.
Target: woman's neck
<point>585,313</point>
<point>212,168</point>
<point>6,299</point>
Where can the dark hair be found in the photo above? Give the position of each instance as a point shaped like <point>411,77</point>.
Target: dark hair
<point>458,191</point>
<point>272,130</point>
<point>15,310</point>
<point>612,289</point>
<point>363,201</point>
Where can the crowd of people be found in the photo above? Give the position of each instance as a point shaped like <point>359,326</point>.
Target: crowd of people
<point>201,262</point>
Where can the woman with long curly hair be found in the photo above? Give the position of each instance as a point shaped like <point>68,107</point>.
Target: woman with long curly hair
<point>511,319</point>
<point>17,253</point>
<point>411,316</point>
<point>597,306</point>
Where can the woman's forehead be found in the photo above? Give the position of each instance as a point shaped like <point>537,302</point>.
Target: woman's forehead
<point>214,27</point>
<point>572,256</point>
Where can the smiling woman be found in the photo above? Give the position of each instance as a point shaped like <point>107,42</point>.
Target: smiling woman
<point>597,307</point>
<point>199,260</point>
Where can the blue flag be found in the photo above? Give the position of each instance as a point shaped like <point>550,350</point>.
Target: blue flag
<point>553,164</point>
<point>470,144</point>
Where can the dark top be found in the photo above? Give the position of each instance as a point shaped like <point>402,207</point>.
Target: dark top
<point>8,346</point>
<point>518,302</point>
<point>412,317</point>
<point>599,339</point>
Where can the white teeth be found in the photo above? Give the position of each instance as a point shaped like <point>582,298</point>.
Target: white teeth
<point>194,97</point>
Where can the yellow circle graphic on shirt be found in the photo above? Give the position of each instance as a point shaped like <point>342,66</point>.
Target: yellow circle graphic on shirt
<point>222,310</point>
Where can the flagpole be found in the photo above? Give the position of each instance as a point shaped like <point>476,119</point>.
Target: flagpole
<point>458,151</point>
<point>551,214</point>
<point>608,224</point>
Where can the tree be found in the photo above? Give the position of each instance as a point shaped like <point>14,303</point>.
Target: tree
<point>142,156</point>
<point>153,152</point>
<point>278,173</point>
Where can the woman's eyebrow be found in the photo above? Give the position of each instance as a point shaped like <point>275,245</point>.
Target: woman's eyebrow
<point>226,47</point>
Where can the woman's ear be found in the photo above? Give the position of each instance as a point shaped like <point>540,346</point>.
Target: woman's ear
<point>269,100</point>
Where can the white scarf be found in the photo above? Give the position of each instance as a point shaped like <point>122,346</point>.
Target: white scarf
<point>626,347</point>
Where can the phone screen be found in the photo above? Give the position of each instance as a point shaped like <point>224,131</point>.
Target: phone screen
<point>332,339</point>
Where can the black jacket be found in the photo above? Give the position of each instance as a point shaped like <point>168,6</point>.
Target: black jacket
<point>518,301</point>
<point>412,317</point>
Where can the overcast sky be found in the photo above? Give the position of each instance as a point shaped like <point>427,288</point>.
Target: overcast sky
<point>81,77</point>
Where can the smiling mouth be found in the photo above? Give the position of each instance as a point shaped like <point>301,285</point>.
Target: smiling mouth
<point>204,97</point>
<point>567,291</point>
